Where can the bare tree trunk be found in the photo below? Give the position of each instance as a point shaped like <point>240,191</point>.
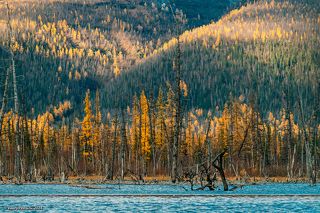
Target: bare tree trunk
<point>29,148</point>
<point>302,151</point>
<point>220,169</point>
<point>4,103</point>
<point>316,118</point>
<point>141,157</point>
<point>177,125</point>
<point>293,161</point>
<point>4,98</point>
<point>114,147</point>
<point>307,145</point>
<point>208,143</point>
<point>123,145</point>
<point>152,138</point>
<point>16,105</point>
<point>103,153</point>
<point>73,149</point>
<point>49,169</point>
<point>315,171</point>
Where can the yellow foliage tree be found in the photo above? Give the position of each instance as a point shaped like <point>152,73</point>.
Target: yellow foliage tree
<point>87,127</point>
<point>116,69</point>
<point>145,125</point>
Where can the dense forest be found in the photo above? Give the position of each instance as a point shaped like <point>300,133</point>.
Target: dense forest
<point>130,90</point>
<point>87,45</point>
<point>76,46</point>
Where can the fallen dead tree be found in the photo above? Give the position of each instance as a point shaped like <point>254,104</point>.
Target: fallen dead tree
<point>207,175</point>
<point>190,176</point>
<point>90,186</point>
<point>138,179</point>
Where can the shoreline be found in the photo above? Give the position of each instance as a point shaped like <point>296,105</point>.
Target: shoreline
<point>99,180</point>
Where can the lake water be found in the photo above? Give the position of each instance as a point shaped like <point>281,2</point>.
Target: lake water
<point>159,198</point>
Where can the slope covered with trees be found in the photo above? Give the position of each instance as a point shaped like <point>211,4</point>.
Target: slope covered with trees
<point>245,89</point>
<point>266,51</point>
<point>72,46</point>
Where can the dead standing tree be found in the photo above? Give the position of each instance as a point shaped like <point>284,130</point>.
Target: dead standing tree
<point>177,99</point>
<point>114,143</point>
<point>219,167</point>
<point>18,167</point>
<point>307,142</point>
<point>123,144</point>
<point>3,105</point>
<point>217,163</point>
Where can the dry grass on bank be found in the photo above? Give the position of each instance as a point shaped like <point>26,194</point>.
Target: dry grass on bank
<point>96,179</point>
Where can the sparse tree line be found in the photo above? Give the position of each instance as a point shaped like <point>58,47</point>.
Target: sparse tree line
<point>139,141</point>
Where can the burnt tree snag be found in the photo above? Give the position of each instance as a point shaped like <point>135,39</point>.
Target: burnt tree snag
<point>219,167</point>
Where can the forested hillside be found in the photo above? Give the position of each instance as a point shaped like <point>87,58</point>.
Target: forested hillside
<point>267,52</point>
<point>70,46</point>
<point>102,90</point>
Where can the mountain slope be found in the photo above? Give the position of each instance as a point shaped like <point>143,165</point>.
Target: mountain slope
<point>64,48</point>
<point>263,51</point>
<point>267,52</point>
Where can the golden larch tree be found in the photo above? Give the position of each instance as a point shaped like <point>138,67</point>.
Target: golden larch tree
<point>87,127</point>
<point>145,126</point>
